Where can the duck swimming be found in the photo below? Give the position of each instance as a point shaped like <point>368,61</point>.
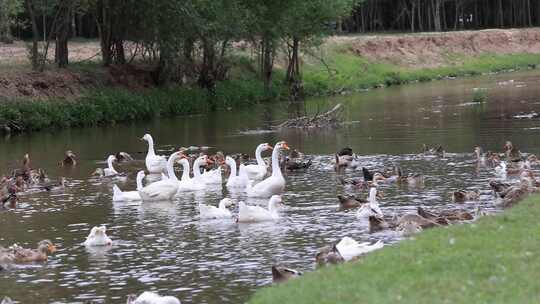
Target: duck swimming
<point>155,164</point>
<point>236,181</point>
<point>328,255</point>
<point>163,189</point>
<point>69,160</point>
<point>19,255</point>
<point>258,172</point>
<point>110,171</point>
<point>221,212</point>
<point>98,237</point>
<point>129,196</point>
<point>273,185</point>
<point>148,297</point>
<point>250,214</point>
<point>462,196</point>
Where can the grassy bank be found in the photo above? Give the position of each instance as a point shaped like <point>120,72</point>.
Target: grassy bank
<point>112,105</point>
<point>345,71</point>
<point>494,260</point>
<point>342,71</point>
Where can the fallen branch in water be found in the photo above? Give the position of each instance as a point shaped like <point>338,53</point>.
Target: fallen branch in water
<point>328,119</point>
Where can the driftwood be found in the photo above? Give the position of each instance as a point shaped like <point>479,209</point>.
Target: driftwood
<point>329,119</point>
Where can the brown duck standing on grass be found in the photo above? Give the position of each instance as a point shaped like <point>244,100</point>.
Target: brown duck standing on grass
<point>70,159</point>
<point>516,193</point>
<point>462,196</point>
<point>328,255</point>
<point>445,217</point>
<point>282,274</point>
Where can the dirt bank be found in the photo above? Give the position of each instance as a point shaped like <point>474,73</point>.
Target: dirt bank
<point>438,49</point>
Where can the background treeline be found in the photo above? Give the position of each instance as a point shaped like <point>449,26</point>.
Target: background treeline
<point>441,15</point>
<point>191,41</point>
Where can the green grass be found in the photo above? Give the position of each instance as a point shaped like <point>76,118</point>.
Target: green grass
<point>112,105</point>
<point>350,72</point>
<point>494,260</point>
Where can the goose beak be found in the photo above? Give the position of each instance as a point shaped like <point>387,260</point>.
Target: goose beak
<point>270,147</point>
<point>285,146</point>
<point>209,161</point>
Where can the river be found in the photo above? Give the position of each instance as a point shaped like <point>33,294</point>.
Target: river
<point>166,248</point>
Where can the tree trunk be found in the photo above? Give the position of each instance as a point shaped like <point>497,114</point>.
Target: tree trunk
<point>35,35</point>
<point>206,79</point>
<point>294,76</point>
<point>436,6</point>
<point>62,34</point>
<point>267,62</point>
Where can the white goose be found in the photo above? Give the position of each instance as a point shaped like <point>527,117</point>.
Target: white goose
<point>207,179</point>
<point>258,172</point>
<point>110,171</point>
<point>275,184</point>
<point>148,297</point>
<point>213,177</point>
<point>349,248</point>
<point>155,164</point>
<point>98,237</point>
<point>220,212</point>
<point>249,214</point>
<point>187,183</point>
<point>163,189</point>
<point>128,196</point>
<point>371,208</point>
<point>236,181</point>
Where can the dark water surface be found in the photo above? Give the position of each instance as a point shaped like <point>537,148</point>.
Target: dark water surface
<point>164,246</point>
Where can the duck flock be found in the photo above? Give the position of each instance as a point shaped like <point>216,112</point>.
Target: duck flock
<point>203,172</point>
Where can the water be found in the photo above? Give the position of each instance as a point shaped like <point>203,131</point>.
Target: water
<point>164,247</point>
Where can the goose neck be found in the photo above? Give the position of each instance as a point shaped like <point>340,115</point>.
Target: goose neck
<point>258,156</point>
<point>170,166</point>
<point>185,170</point>
<point>139,181</point>
<point>276,170</point>
<point>151,151</point>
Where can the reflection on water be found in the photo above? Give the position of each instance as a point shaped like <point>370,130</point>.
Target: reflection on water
<point>165,247</point>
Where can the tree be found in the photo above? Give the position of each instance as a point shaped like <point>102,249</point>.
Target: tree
<point>306,22</point>
<point>8,10</point>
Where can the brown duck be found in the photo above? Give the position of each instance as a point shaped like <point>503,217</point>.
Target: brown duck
<point>19,255</point>
<point>70,159</point>
<point>282,274</point>
<point>328,255</point>
<point>462,196</point>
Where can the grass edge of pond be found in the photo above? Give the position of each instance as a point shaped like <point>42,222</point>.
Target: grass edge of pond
<point>493,260</point>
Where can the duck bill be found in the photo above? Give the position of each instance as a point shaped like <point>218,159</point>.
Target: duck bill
<point>51,248</point>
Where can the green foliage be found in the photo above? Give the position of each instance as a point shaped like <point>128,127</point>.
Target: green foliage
<point>119,105</point>
<point>479,96</point>
<point>8,10</point>
<point>345,71</point>
<point>490,261</point>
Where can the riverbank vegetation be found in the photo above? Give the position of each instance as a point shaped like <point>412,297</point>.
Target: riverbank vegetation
<point>489,261</point>
<point>224,54</point>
